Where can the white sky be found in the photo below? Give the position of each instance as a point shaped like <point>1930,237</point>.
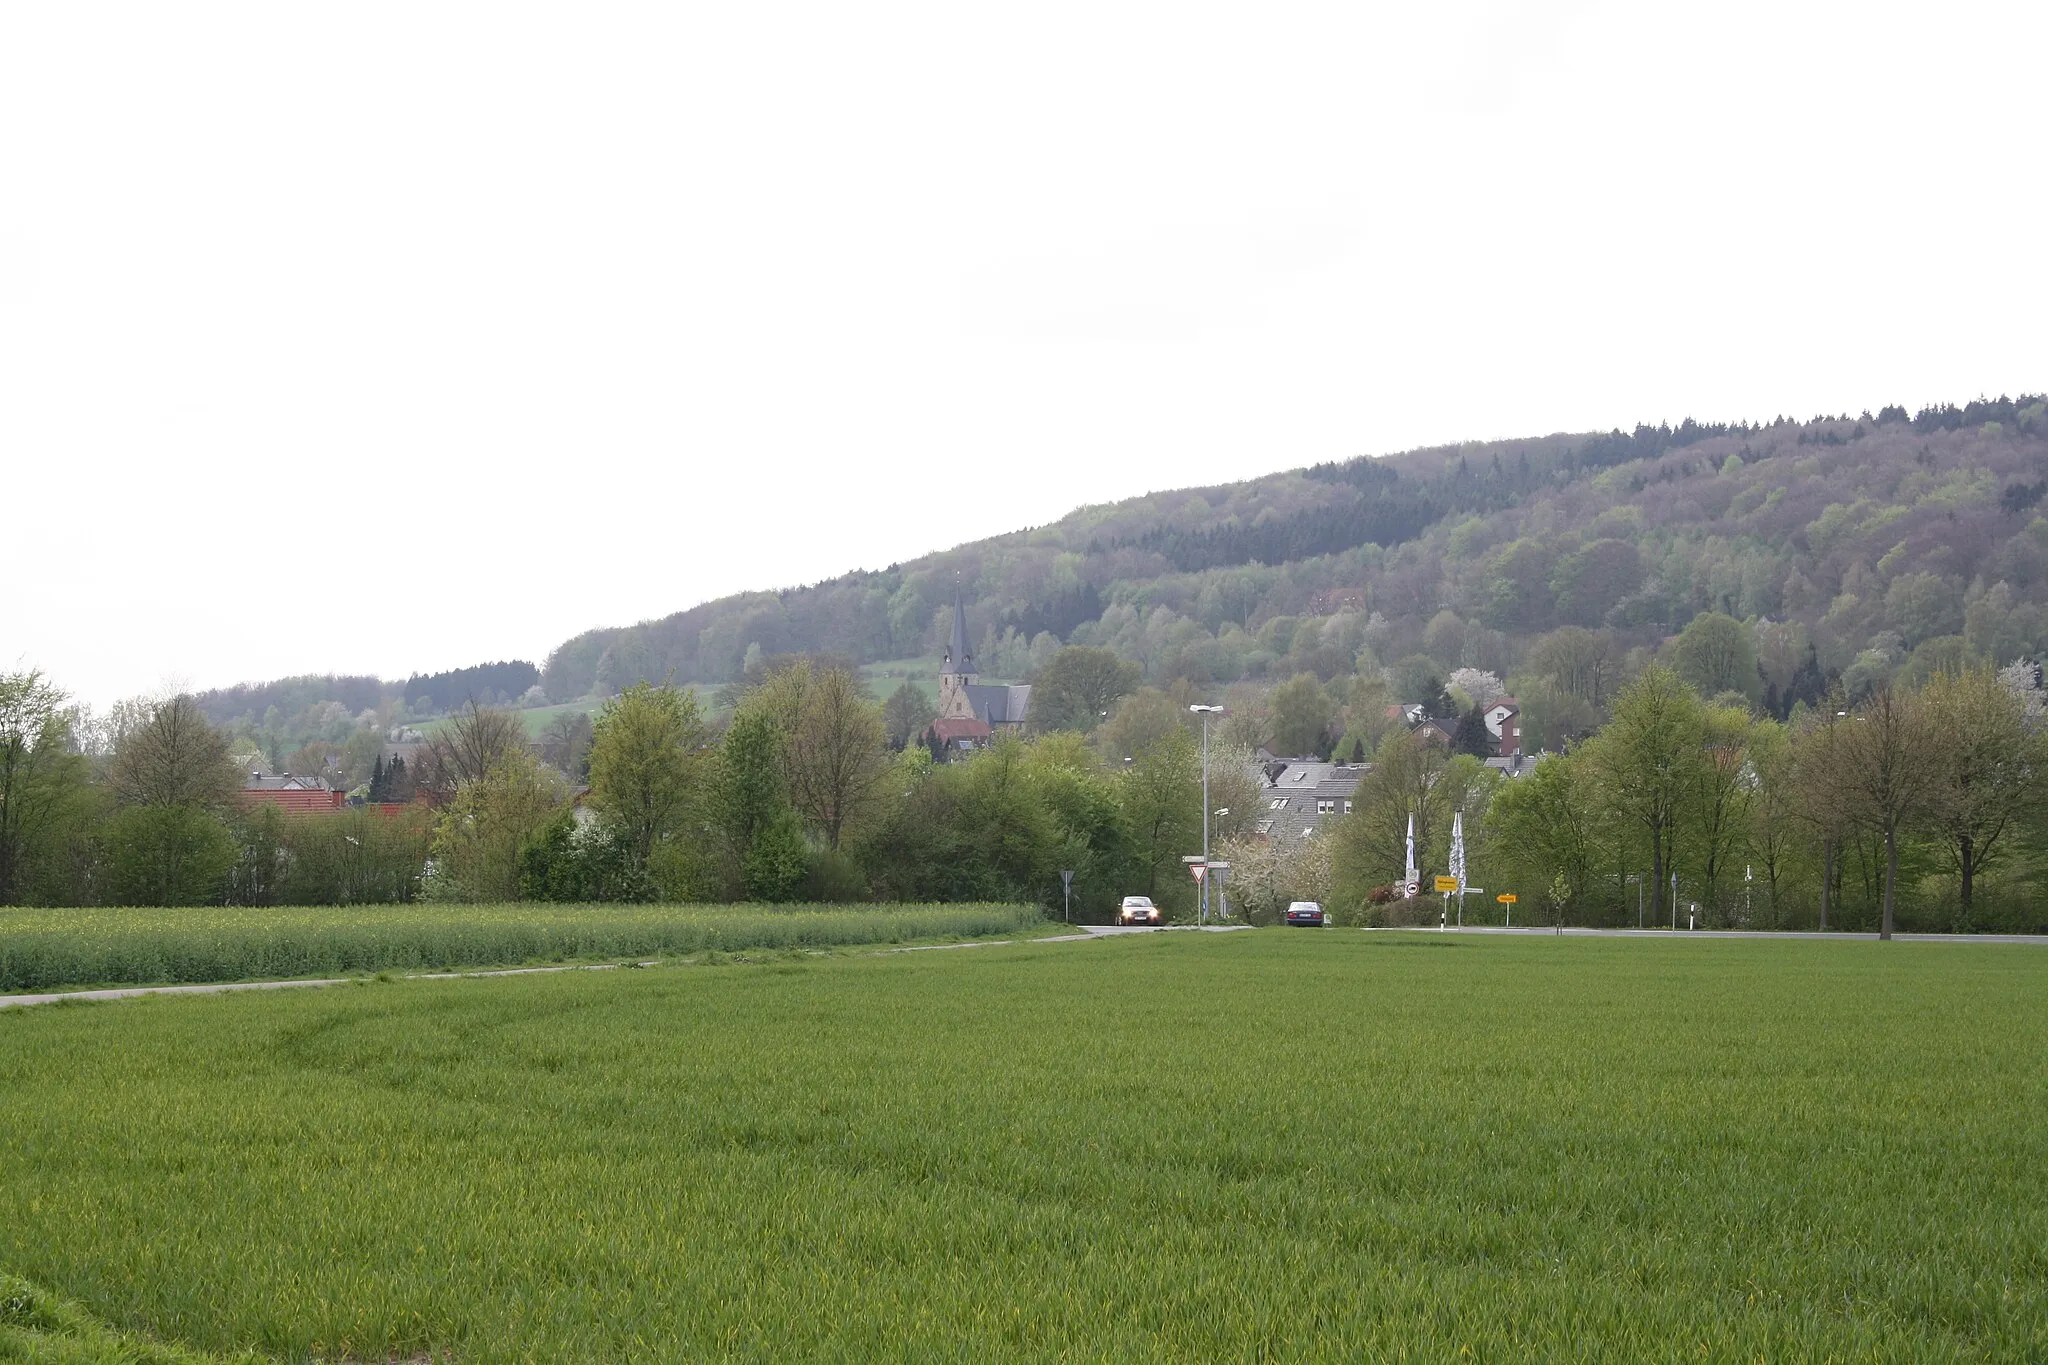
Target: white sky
<point>375,338</point>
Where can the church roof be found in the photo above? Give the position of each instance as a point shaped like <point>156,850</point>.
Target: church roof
<point>959,659</point>
<point>997,704</point>
<point>949,729</point>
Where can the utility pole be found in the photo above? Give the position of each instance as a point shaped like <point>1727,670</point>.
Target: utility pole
<point>1202,915</point>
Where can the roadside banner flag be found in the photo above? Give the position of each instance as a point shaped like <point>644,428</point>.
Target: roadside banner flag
<point>1458,848</point>
<point>1413,881</point>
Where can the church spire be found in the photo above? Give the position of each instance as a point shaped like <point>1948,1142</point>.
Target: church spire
<point>959,659</point>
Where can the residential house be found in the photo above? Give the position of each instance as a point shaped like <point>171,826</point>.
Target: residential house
<point>1504,723</point>
<point>296,795</point>
<point>1300,796</point>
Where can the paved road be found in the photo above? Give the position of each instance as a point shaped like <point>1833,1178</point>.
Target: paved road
<point>1707,935</point>
<point>1104,930</point>
<point>221,988</point>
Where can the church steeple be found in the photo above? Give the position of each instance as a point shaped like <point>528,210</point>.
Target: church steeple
<point>957,674</point>
<point>959,659</point>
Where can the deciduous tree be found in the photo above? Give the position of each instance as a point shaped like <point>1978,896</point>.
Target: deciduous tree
<point>481,831</point>
<point>832,750</point>
<point>1078,686</point>
<point>1302,712</point>
<point>40,775</point>
<point>1886,763</point>
<point>906,714</point>
<point>170,755</point>
<point>1716,653</point>
<point>750,807</point>
<point>1991,764</point>
<point>645,765</point>
<point>1646,762</point>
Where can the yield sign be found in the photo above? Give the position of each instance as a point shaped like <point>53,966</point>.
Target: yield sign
<point>1198,869</point>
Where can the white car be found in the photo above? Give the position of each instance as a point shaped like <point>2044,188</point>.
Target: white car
<point>1138,910</point>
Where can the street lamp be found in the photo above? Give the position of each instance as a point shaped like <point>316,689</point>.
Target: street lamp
<point>1202,914</point>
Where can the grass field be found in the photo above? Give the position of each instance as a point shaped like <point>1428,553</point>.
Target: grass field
<point>1259,1145</point>
<point>48,949</point>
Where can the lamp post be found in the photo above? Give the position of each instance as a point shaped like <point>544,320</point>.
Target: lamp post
<point>1202,913</point>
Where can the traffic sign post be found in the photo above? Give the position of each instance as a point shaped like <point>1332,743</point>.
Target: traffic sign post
<point>1219,873</point>
<point>1507,898</point>
<point>1067,891</point>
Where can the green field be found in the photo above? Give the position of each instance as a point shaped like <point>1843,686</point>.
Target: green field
<point>1260,1145</point>
<point>47,949</point>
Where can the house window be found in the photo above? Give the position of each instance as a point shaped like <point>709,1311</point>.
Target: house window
<point>1325,807</point>
<point>1280,804</point>
<point>1347,808</point>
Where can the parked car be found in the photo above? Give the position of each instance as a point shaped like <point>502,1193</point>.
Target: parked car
<point>1138,910</point>
<point>1309,913</point>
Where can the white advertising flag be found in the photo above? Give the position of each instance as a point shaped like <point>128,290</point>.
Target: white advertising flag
<point>1458,848</point>
<point>1413,882</point>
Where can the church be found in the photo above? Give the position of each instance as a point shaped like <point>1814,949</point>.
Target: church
<point>971,713</point>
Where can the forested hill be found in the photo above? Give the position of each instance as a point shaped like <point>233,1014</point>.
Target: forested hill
<point>1871,537</point>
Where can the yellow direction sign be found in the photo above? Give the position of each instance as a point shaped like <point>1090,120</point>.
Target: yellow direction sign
<point>1447,883</point>
<point>1506,899</point>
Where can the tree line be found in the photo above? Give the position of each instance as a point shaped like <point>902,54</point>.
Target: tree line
<point>797,795</point>
<point>1922,805</point>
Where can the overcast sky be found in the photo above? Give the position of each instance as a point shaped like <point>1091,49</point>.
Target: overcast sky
<point>384,338</point>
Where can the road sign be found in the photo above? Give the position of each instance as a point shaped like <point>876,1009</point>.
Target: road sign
<point>1410,888</point>
<point>1447,883</point>
<point>1198,869</point>
<point>1506,898</point>
<point>1067,878</point>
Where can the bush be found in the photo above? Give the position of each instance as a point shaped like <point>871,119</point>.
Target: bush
<point>166,855</point>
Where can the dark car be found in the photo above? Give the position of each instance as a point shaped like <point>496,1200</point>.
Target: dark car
<point>1308,913</point>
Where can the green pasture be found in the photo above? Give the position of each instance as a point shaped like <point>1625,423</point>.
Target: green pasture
<point>48,949</point>
<point>887,675</point>
<point>1261,1145</point>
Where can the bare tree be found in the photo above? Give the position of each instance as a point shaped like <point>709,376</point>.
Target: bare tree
<point>168,754</point>
<point>565,743</point>
<point>1819,803</point>
<point>1886,766</point>
<point>1724,788</point>
<point>474,741</point>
